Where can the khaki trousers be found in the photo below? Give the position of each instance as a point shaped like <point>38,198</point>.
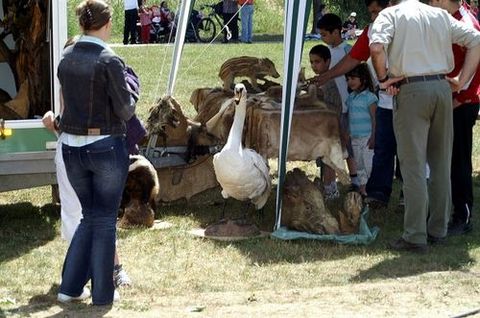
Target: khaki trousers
<point>423,125</point>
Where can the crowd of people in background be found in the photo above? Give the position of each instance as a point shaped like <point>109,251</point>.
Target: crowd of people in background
<point>146,23</point>
<point>350,26</point>
<point>155,21</point>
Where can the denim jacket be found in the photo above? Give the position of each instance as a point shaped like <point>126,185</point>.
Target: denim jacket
<point>95,94</point>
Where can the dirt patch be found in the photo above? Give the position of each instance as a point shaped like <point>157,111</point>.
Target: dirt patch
<point>403,297</point>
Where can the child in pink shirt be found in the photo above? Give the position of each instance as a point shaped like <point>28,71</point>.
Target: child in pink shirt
<point>146,22</point>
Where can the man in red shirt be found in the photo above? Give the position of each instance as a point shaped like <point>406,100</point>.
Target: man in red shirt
<point>465,110</point>
<point>379,186</point>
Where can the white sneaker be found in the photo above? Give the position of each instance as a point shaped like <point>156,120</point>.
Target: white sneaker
<point>120,277</point>
<point>116,296</point>
<point>66,299</point>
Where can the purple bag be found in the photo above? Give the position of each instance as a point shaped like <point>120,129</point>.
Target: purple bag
<point>135,129</point>
<point>133,83</point>
<point>135,133</point>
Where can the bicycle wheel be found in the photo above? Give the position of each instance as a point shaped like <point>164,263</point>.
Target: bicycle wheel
<point>206,30</point>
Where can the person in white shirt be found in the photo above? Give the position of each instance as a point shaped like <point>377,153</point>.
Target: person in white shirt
<point>422,112</point>
<point>130,24</point>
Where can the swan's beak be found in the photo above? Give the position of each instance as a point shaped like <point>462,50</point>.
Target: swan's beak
<point>238,95</point>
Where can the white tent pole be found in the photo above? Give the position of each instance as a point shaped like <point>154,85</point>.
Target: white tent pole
<point>58,39</point>
<point>184,16</point>
<point>295,13</point>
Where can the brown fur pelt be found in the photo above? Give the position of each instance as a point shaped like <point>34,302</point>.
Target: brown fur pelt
<point>140,193</point>
<point>349,218</point>
<point>206,97</point>
<point>275,93</point>
<point>309,99</point>
<point>220,123</point>
<point>232,228</point>
<point>137,214</point>
<point>303,206</point>
<point>261,87</point>
<point>312,97</point>
<point>167,120</point>
<point>198,96</point>
<point>208,102</point>
<point>314,133</point>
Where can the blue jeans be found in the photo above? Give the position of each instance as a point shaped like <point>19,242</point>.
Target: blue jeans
<point>97,172</point>
<point>379,185</point>
<point>246,15</point>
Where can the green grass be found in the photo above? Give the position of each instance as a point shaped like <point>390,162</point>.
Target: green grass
<point>171,270</point>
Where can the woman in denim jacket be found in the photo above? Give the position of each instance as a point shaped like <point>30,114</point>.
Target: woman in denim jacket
<point>97,104</point>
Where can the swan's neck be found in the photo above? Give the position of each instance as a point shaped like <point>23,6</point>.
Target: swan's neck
<point>234,140</point>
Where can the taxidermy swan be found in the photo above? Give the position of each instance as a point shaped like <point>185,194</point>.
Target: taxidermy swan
<point>242,173</point>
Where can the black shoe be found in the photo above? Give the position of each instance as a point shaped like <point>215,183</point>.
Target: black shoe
<point>375,203</point>
<point>433,240</point>
<point>459,228</point>
<point>402,245</point>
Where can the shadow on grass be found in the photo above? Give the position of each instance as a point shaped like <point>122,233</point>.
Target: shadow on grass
<point>25,227</point>
<point>45,301</point>
<point>452,256</point>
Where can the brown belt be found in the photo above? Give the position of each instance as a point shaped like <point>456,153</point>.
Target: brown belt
<point>422,78</point>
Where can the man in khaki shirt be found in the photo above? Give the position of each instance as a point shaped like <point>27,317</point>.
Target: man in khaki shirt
<point>419,40</point>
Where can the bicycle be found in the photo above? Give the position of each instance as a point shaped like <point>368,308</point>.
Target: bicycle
<point>206,29</point>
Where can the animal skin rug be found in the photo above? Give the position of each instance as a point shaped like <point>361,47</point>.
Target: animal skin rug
<point>235,228</point>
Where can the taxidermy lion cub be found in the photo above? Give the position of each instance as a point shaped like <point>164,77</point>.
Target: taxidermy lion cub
<point>246,66</point>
